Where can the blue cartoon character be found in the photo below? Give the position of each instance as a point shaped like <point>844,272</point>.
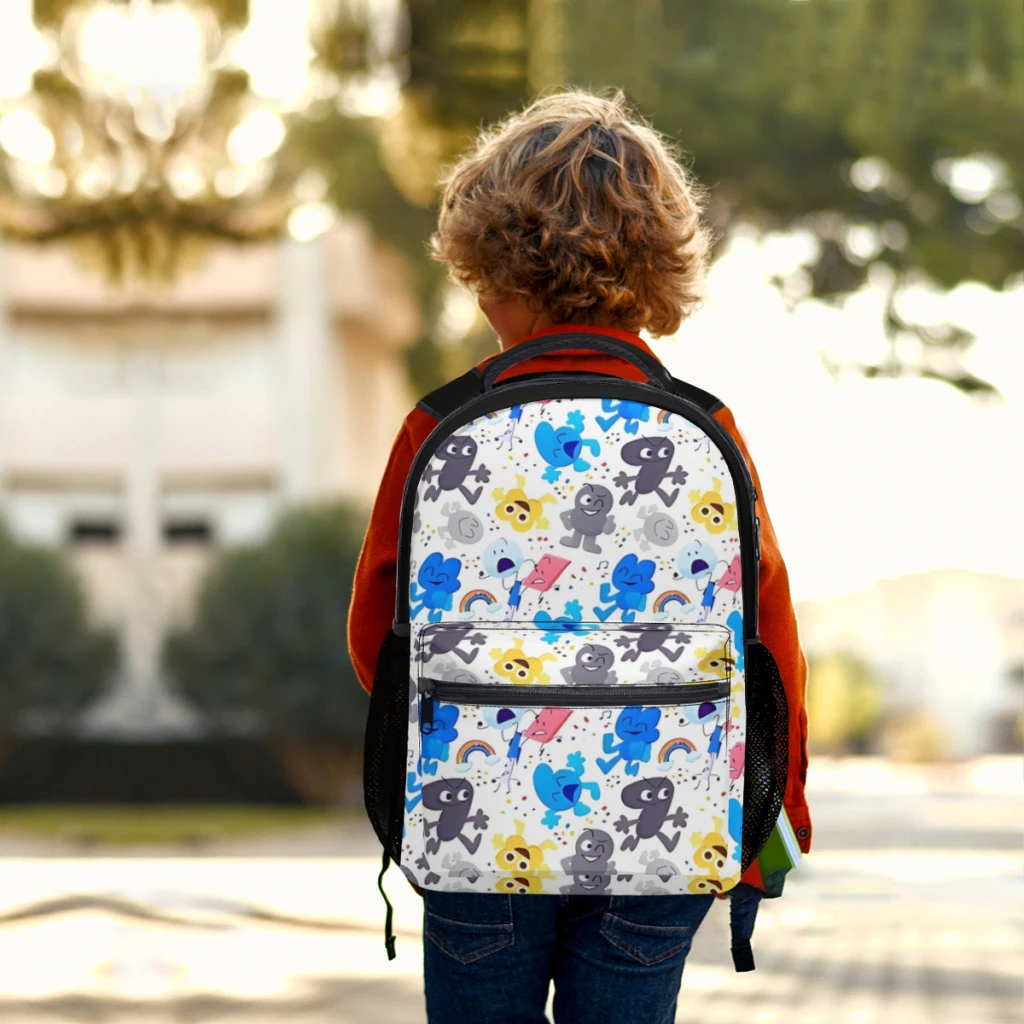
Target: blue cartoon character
<point>503,560</point>
<point>439,579</point>
<point>699,562</point>
<point>436,736</point>
<point>563,789</point>
<point>736,827</point>
<point>735,623</point>
<point>636,729</point>
<point>559,628</point>
<point>710,717</point>
<point>564,446</point>
<point>634,580</point>
<point>632,415</point>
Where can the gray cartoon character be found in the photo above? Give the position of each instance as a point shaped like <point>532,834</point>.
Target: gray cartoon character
<point>658,528</point>
<point>593,667</point>
<point>652,456</point>
<point>655,674</point>
<point>464,527</point>
<point>590,865</point>
<point>648,639</point>
<point>656,865</point>
<point>457,454</point>
<point>459,868</point>
<point>453,798</point>
<point>448,640</point>
<point>652,798</point>
<point>589,518</point>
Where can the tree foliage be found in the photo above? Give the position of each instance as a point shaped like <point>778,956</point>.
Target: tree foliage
<point>52,663</point>
<point>267,645</point>
<point>891,129</point>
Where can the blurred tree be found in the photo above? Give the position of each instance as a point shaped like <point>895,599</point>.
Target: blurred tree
<point>893,130</point>
<point>52,663</point>
<point>845,703</point>
<point>267,645</point>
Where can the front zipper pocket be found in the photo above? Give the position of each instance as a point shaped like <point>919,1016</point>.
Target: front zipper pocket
<point>433,691</point>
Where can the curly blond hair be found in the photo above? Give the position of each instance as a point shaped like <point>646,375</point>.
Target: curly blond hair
<point>577,205</point>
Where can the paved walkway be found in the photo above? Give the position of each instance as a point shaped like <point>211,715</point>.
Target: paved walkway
<point>908,912</point>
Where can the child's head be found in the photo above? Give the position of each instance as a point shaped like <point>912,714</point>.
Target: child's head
<point>579,208</point>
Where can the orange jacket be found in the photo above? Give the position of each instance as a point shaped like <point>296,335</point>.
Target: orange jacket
<point>373,594</point>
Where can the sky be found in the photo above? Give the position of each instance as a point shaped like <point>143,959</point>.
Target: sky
<point>863,479</point>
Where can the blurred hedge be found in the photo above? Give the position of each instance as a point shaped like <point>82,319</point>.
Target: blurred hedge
<point>53,664</point>
<point>266,651</point>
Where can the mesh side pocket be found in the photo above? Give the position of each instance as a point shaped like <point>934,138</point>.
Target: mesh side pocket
<point>384,753</point>
<point>767,753</point>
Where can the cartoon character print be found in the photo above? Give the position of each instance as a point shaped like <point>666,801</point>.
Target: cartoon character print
<point>519,511</point>
<point>557,628</point>
<point>438,579</point>
<point>562,790</point>
<point>516,666</point>
<point>593,667</point>
<point>515,417</point>
<point>632,580</point>
<point>652,456</point>
<point>658,528</point>
<point>636,729</point>
<point>542,729</point>
<point>457,453</point>
<point>523,860</point>
<point>710,853</point>
<point>632,414</point>
<point>589,518</point>
<point>462,528</point>
<point>655,864</point>
<point>503,560</point>
<point>647,639</point>
<point>453,799</point>
<point>590,866</point>
<point>436,737</point>
<point>710,717</point>
<point>698,561</point>
<point>653,799</point>
<point>449,640</point>
<point>732,578</point>
<point>711,510</point>
<point>459,868</point>
<point>564,446</point>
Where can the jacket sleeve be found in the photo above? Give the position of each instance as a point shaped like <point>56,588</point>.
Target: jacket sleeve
<point>778,629</point>
<point>373,591</point>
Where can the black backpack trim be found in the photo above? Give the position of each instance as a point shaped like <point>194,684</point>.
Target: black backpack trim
<point>446,399</point>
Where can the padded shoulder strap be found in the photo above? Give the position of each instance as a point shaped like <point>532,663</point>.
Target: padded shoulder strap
<point>704,399</point>
<point>447,398</point>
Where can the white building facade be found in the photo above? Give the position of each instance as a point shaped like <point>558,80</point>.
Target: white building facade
<point>143,431</point>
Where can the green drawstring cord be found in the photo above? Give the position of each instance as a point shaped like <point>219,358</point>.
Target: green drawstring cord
<point>389,935</point>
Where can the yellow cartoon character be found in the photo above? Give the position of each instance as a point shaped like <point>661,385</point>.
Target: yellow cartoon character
<point>710,850</point>
<point>518,667</point>
<point>517,855</point>
<point>706,884</point>
<point>716,662</point>
<point>520,885</point>
<point>519,511</point>
<point>710,509</point>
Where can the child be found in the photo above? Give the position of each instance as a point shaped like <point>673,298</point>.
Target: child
<point>573,212</point>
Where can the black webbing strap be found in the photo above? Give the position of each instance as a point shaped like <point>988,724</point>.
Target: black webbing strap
<point>389,934</point>
<point>744,900</point>
<point>446,399</point>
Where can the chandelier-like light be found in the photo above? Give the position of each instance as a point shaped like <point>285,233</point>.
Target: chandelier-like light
<point>141,131</point>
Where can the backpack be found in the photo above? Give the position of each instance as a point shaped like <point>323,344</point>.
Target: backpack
<point>573,698</point>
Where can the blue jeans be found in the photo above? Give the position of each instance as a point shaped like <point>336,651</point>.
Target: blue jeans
<point>489,959</point>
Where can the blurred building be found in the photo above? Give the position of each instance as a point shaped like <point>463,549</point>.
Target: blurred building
<point>948,645</point>
<point>143,430</point>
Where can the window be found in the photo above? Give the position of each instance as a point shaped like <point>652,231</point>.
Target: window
<point>94,530</point>
<point>188,531</point>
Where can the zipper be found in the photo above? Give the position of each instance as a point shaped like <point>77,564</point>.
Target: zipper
<point>560,386</point>
<point>434,690</point>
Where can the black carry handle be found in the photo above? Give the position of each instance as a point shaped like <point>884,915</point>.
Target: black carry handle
<point>655,373</point>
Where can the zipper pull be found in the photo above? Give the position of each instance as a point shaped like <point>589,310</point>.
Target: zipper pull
<point>426,704</point>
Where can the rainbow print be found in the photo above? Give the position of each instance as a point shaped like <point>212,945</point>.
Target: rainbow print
<point>473,747</point>
<point>663,416</point>
<point>473,597</point>
<point>662,601</point>
<point>672,746</point>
